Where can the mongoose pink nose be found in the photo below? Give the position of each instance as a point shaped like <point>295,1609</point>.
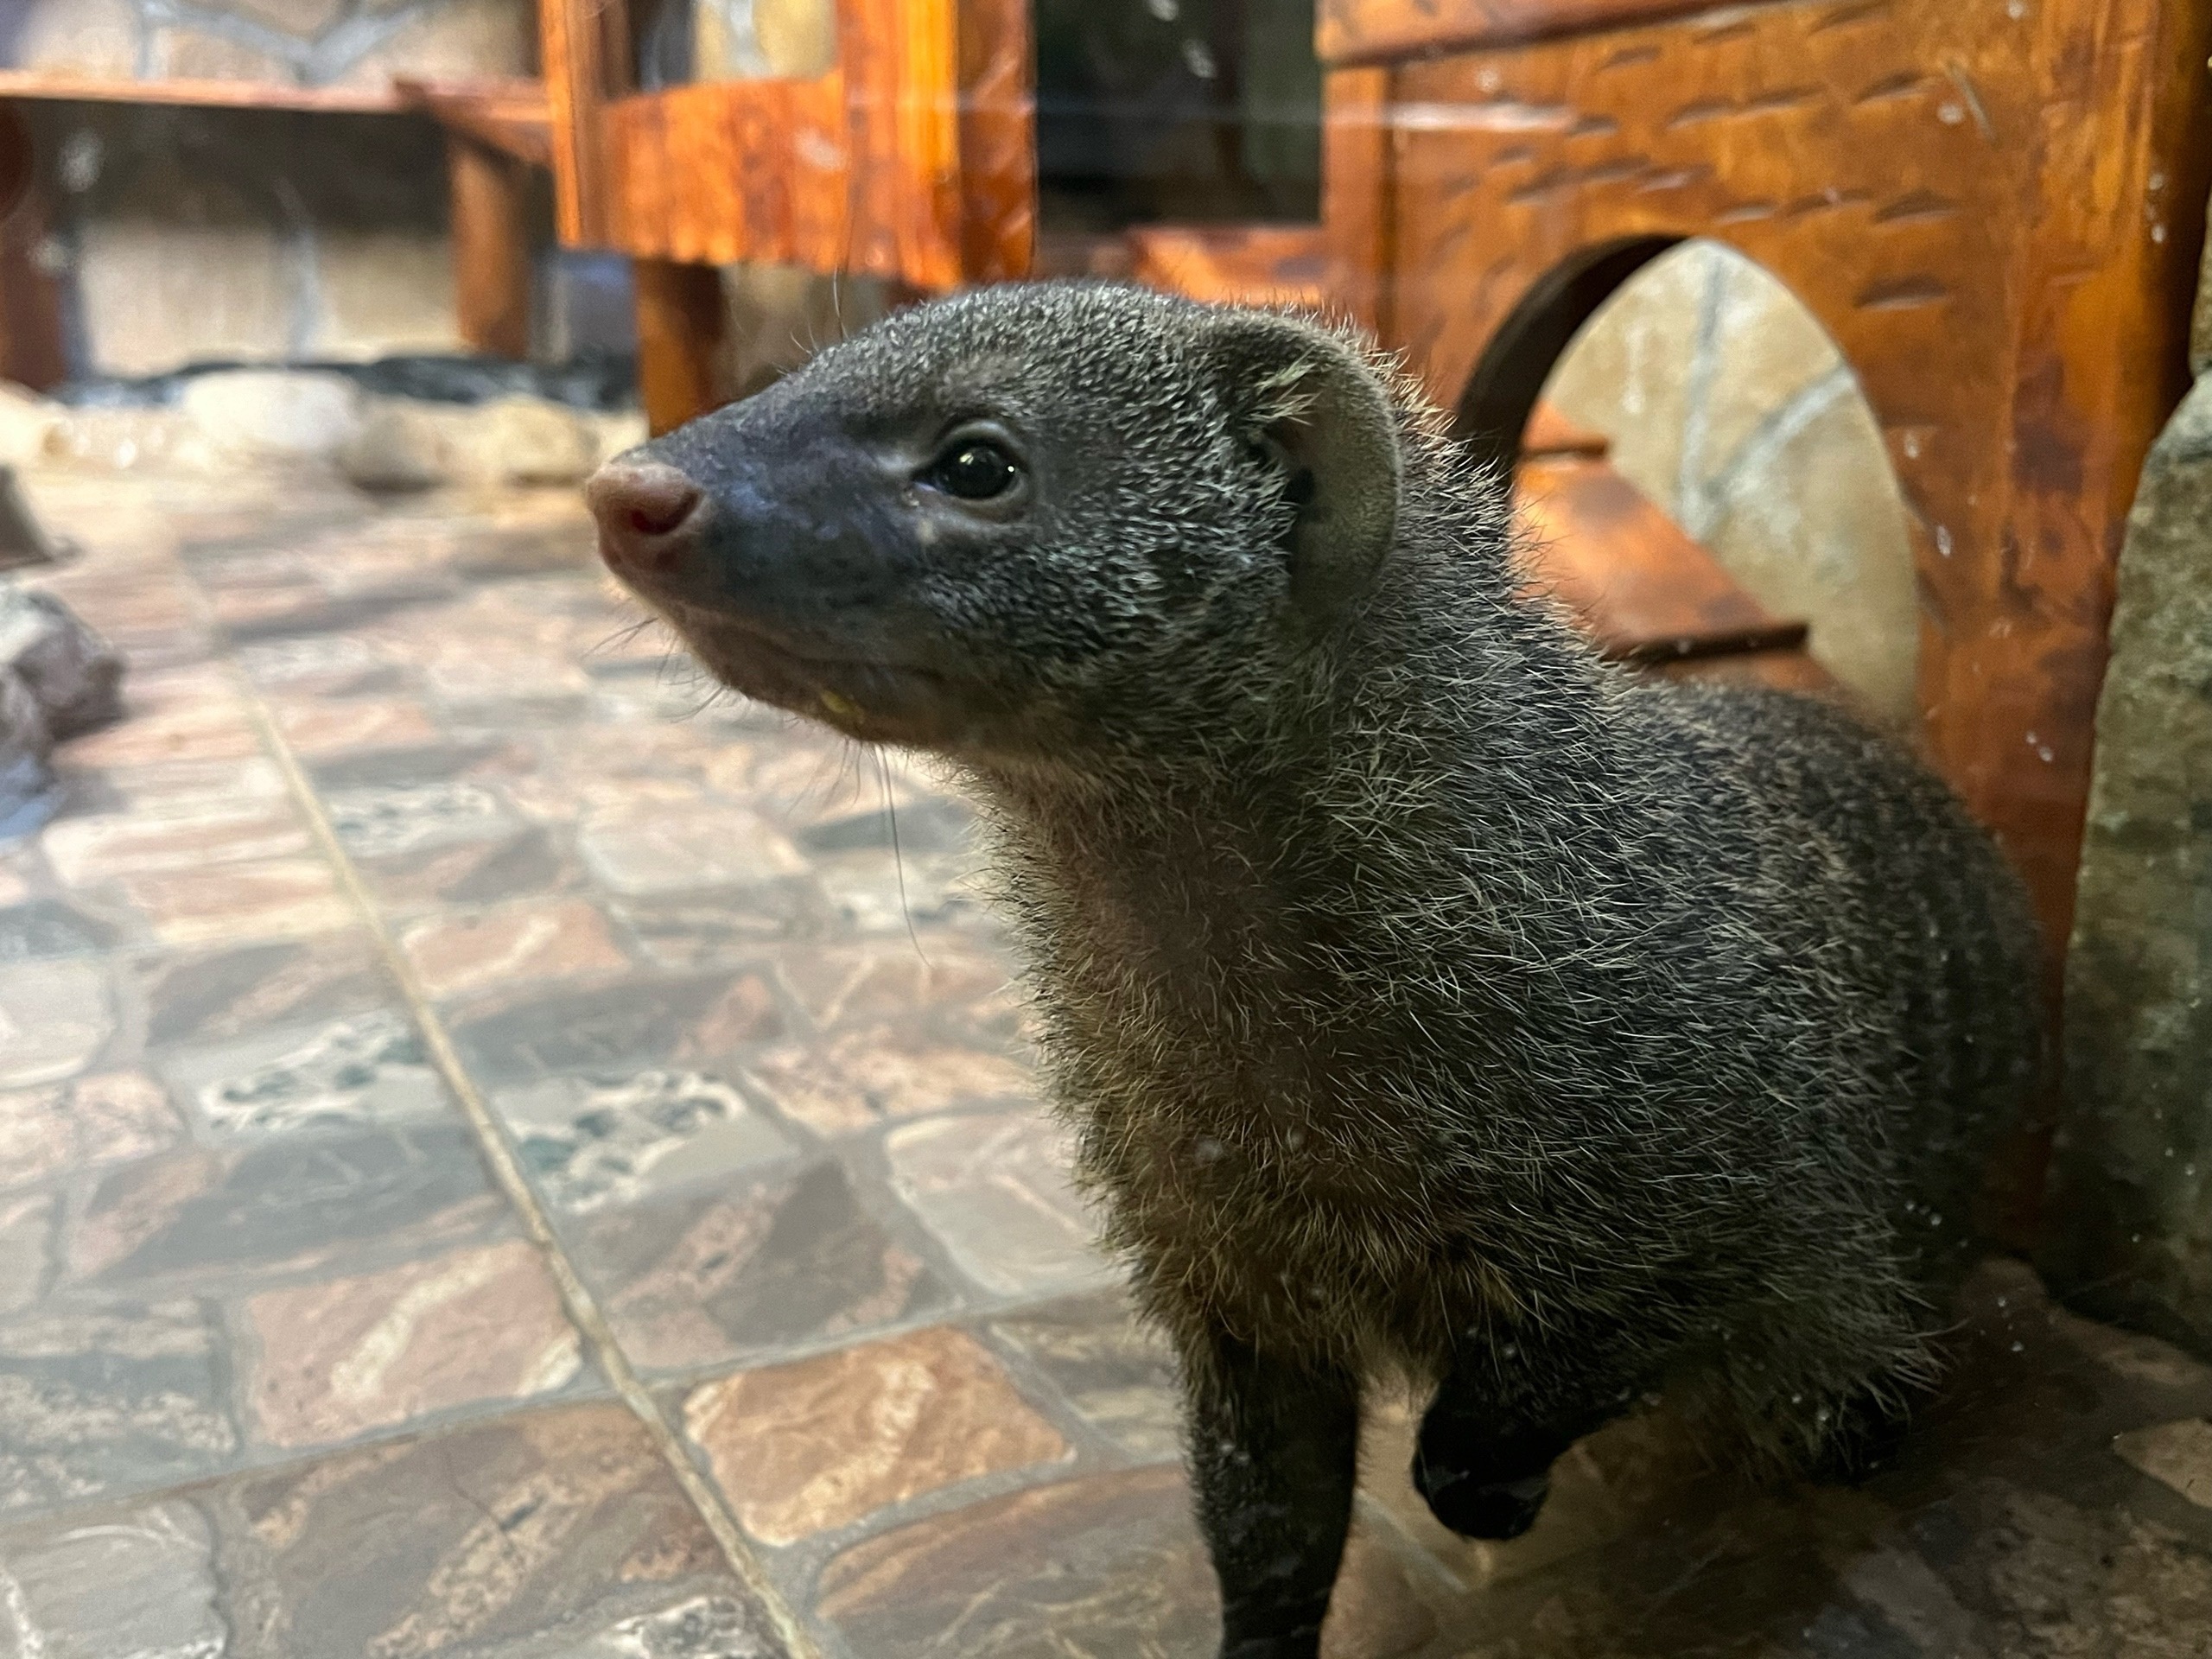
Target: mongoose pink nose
<point>648,513</point>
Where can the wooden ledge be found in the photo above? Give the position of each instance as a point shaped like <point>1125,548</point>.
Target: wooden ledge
<point>261,95</point>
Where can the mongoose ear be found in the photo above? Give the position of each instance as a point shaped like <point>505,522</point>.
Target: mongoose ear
<point>1310,399</point>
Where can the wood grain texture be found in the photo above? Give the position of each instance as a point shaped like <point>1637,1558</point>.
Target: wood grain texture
<point>1357,195</point>
<point>33,350</point>
<point>514,118</point>
<point>1357,31</point>
<point>1243,264</point>
<point>682,320</point>
<point>1963,197</point>
<point>1645,591</point>
<point>490,247</point>
<point>572,42</point>
<point>998,141</point>
<point>859,169</point>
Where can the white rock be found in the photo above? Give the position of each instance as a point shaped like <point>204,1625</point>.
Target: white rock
<point>275,414</point>
<point>25,420</point>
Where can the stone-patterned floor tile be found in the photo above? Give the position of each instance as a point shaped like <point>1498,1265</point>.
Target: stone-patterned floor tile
<point>27,1227</point>
<point>70,1127</point>
<point>338,1358</point>
<point>872,895</point>
<point>86,850</point>
<point>556,1534</point>
<point>630,1023</point>
<point>55,1020</point>
<point>698,930</point>
<point>173,788</point>
<point>185,714</point>
<point>1117,1374</point>
<point>137,1583</point>
<point>497,759</point>
<point>994,1190</point>
<point>320,665</point>
<point>348,1073</point>
<point>318,727</point>
<point>865,984</point>
<point>39,930</point>
<point>857,1079</point>
<point>520,864</point>
<point>757,1265</point>
<point>380,823</point>
<point>282,897</point>
<point>1099,1567</point>
<point>289,1204</point>
<point>107,1398</point>
<point>662,848</point>
<point>203,996</point>
<point>518,944</point>
<point>596,1141</point>
<point>816,1445</point>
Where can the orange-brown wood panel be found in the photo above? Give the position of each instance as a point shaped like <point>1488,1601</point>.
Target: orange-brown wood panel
<point>682,322</point>
<point>1962,196</point>
<point>576,38</point>
<point>32,351</point>
<point>490,247</point>
<point>1645,590</point>
<point>1351,31</point>
<point>857,169</point>
<point>1358,195</point>
<point>1245,265</point>
<point>998,141</point>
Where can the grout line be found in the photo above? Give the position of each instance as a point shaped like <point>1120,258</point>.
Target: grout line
<point>581,1305</point>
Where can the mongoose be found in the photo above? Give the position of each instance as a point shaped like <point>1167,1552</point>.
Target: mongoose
<point>1429,997</point>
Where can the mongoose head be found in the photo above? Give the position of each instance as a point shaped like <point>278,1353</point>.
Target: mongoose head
<point>1011,523</point>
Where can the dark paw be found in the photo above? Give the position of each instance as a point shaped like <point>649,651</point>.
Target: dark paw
<point>1301,1643</point>
<point>1495,1510</point>
<point>1867,1441</point>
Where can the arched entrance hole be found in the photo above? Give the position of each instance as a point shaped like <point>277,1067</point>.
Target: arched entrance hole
<point>1727,404</point>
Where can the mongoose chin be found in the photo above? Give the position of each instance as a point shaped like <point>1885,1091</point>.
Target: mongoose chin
<point>1428,997</point>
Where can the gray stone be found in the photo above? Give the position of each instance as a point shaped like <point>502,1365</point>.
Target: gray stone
<point>25,778</point>
<point>104,1400</point>
<point>141,1584</point>
<point>2132,1204</point>
<point>55,1018</point>
<point>76,676</point>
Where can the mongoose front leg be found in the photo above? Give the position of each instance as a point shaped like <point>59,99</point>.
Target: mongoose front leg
<point>1484,1459</point>
<point>1273,1449</point>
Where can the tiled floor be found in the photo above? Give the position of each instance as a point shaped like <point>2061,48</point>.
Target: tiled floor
<point>497,1158</point>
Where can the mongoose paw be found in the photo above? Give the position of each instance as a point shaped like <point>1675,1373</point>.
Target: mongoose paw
<point>1296,1645</point>
<point>1493,1509</point>
<point>1867,1441</point>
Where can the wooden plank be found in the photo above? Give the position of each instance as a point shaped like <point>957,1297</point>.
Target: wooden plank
<point>998,142</point>
<point>1370,31</point>
<point>204,94</point>
<point>572,41</point>
<point>1358,195</point>
<point>516,120</point>
<point>1645,590</point>
<point>1551,434</point>
<point>517,96</point>
<point>490,247</point>
<point>32,352</point>
<point>1242,264</point>
<point>682,323</point>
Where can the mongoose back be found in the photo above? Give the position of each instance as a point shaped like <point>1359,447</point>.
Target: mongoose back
<point>1428,996</point>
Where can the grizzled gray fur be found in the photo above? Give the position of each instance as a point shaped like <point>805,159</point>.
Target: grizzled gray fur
<point>1430,997</point>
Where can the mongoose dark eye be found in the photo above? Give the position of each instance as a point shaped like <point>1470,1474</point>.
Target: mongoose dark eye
<point>973,469</point>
